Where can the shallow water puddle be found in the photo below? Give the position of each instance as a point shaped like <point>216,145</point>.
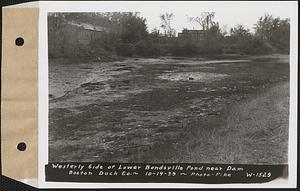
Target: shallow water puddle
<point>192,76</point>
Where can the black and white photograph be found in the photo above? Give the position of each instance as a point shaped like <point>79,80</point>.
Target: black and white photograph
<point>169,87</point>
<point>150,94</point>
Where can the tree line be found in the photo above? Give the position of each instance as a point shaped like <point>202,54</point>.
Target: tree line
<point>126,34</point>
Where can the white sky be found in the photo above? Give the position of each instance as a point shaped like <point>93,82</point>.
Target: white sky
<point>227,13</point>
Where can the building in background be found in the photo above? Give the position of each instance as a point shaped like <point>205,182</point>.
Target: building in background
<point>73,38</point>
<point>85,32</point>
<point>191,34</point>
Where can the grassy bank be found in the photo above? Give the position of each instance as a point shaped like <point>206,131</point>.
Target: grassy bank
<point>253,131</point>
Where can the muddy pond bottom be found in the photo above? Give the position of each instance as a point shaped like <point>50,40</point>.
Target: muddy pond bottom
<point>192,76</point>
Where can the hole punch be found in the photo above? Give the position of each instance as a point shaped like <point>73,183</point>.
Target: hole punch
<point>19,41</point>
<point>21,146</point>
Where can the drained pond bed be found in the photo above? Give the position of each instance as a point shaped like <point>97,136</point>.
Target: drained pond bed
<point>169,110</point>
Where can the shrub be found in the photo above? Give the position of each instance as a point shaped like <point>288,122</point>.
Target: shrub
<point>189,48</point>
<point>147,48</point>
<point>210,47</point>
<point>142,48</point>
<point>256,46</point>
<point>125,49</point>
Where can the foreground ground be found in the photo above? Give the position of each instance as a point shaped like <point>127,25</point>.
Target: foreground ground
<point>170,110</point>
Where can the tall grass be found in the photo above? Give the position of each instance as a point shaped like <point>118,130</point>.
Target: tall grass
<point>252,132</point>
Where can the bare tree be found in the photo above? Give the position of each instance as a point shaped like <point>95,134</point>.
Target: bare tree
<point>166,24</point>
<point>205,20</point>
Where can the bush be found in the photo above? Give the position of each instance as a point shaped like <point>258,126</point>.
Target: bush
<point>125,49</point>
<point>248,45</point>
<point>189,48</point>
<point>142,48</point>
<point>210,47</point>
<point>147,48</point>
<point>256,46</point>
<point>173,48</point>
